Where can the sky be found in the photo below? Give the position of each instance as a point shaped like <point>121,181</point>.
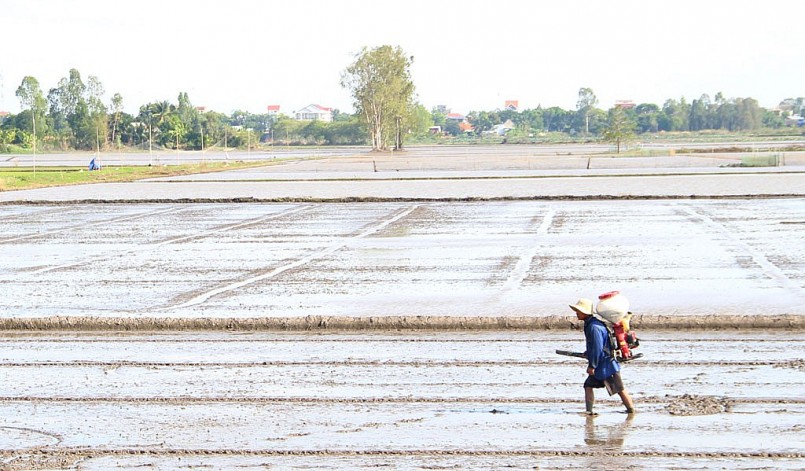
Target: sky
<point>469,55</point>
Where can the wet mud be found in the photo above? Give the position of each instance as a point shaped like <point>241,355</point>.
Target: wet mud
<point>408,322</point>
<point>503,265</point>
<point>385,323</point>
<point>698,405</point>
<point>395,399</point>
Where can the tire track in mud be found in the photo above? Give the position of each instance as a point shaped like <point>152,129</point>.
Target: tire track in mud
<point>104,222</point>
<point>31,214</point>
<point>205,296</point>
<point>769,269</point>
<point>195,236</point>
<point>521,268</point>
<point>231,226</point>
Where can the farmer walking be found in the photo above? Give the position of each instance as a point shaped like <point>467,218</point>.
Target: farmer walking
<point>602,369</point>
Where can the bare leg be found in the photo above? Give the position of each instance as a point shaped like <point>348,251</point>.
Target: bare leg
<point>627,401</point>
<point>589,400</point>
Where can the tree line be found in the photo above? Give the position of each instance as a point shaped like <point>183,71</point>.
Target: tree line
<point>73,116</point>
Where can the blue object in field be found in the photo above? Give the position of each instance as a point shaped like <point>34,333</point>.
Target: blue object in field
<point>94,165</point>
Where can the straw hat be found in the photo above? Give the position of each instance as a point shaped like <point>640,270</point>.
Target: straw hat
<point>584,306</point>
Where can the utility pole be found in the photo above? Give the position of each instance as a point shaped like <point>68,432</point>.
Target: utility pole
<point>150,151</point>
<point>33,120</point>
<point>98,145</point>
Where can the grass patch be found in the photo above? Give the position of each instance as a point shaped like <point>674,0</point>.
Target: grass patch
<point>24,178</point>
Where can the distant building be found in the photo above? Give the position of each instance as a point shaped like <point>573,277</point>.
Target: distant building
<point>502,128</point>
<point>465,127</point>
<point>273,110</point>
<point>314,112</point>
<point>443,109</point>
<point>624,104</point>
<point>201,109</point>
<point>795,120</point>
<point>512,105</point>
<point>455,116</point>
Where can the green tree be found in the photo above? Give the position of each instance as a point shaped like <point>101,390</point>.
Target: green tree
<point>584,106</point>
<point>348,129</point>
<point>647,117</point>
<point>7,136</point>
<point>438,117</point>
<point>481,122</point>
<point>556,119</point>
<point>748,114</point>
<point>175,129</point>
<point>620,128</point>
<point>531,120</point>
<point>772,120</point>
<point>598,118</point>
<point>32,99</point>
<point>215,128</point>
<point>420,120</point>
<point>98,117</point>
<point>83,126</point>
<point>60,129</point>
<point>159,114</point>
<point>382,91</point>
<point>117,108</point>
<point>698,114</point>
<point>676,115</point>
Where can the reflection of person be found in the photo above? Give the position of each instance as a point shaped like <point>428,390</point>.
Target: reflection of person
<point>603,370</point>
<point>609,439</point>
<point>612,436</point>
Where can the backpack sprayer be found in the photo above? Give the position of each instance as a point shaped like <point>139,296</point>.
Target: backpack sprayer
<point>613,311</point>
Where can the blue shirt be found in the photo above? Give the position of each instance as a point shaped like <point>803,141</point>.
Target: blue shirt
<point>599,352</point>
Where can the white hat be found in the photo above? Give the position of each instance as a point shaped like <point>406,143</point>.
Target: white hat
<point>584,306</point>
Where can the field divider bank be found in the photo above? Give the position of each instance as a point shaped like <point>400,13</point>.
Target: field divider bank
<point>389,323</point>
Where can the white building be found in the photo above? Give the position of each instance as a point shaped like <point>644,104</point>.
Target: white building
<point>314,112</point>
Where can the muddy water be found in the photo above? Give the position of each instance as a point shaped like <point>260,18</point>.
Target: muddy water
<point>194,395</point>
<point>418,263</point>
<point>410,401</point>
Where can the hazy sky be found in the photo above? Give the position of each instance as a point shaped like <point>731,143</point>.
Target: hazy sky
<point>468,54</point>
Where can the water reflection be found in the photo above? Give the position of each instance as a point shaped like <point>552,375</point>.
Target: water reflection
<point>609,436</point>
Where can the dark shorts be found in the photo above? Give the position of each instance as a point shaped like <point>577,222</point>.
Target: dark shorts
<point>614,384</point>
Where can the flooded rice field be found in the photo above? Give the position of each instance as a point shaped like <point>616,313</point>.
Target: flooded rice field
<point>694,259</point>
<point>268,319</point>
<point>422,400</point>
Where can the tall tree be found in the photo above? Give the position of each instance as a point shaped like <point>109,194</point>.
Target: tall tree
<point>585,104</point>
<point>117,108</point>
<point>556,119</point>
<point>98,117</point>
<point>382,91</point>
<point>620,128</point>
<point>71,92</point>
<point>32,98</point>
<point>647,117</point>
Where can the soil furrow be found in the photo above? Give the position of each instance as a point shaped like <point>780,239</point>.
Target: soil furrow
<point>378,363</point>
<point>353,400</point>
